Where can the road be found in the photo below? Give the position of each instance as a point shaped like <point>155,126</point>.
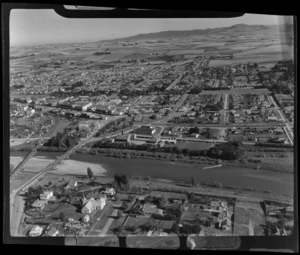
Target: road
<point>251,230</point>
<point>179,103</point>
<point>260,125</point>
<point>287,127</point>
<point>29,155</point>
<point>18,213</point>
<point>108,223</point>
<point>173,84</point>
<point>98,214</point>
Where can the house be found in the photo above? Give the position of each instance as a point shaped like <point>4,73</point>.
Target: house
<point>99,203</point>
<point>36,231</point>
<point>71,184</point>
<point>86,218</point>
<point>52,232</point>
<point>88,207</point>
<point>214,205</point>
<point>149,209</point>
<point>46,195</point>
<point>39,204</point>
<point>110,191</point>
<point>141,198</point>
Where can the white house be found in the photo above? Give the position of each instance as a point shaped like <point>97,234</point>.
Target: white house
<point>92,205</point>
<point>46,195</point>
<point>52,232</point>
<point>71,184</point>
<point>36,231</point>
<point>39,204</point>
<point>86,218</point>
<point>88,207</point>
<point>110,191</point>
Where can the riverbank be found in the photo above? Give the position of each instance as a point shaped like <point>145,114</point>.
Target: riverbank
<point>177,158</point>
<point>117,153</point>
<point>180,171</point>
<point>68,166</point>
<point>75,167</point>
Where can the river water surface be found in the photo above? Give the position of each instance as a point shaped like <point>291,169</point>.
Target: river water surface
<point>276,182</point>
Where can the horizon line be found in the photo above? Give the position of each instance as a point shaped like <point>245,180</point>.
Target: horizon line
<point>108,39</point>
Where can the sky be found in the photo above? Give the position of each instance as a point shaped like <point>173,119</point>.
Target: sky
<point>35,27</point>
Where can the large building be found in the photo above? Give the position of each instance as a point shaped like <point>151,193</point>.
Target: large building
<point>144,130</point>
<point>284,99</point>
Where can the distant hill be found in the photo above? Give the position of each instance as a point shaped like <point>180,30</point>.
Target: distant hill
<point>232,30</point>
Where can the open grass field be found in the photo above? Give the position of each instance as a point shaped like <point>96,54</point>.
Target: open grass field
<point>194,145</point>
<point>36,164</point>
<point>277,160</point>
<point>249,219</point>
<point>79,168</point>
<point>18,180</point>
<point>103,241</point>
<point>153,242</point>
<point>221,242</point>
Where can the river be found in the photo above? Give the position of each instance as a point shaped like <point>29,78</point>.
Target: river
<point>276,182</point>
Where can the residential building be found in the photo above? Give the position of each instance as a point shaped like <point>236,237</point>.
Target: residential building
<point>36,231</point>
<point>110,191</point>
<point>39,204</point>
<point>53,231</point>
<point>46,195</point>
<point>71,184</point>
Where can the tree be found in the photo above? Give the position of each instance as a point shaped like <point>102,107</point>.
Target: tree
<point>119,231</point>
<point>124,205</point>
<point>162,201</point>
<point>90,173</point>
<point>194,130</point>
<point>62,216</point>
<point>119,214</point>
<point>175,228</point>
<point>193,181</point>
<point>130,198</point>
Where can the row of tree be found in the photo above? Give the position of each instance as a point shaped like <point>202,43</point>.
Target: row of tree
<point>226,151</point>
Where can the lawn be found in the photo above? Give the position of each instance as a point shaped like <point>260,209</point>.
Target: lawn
<point>194,145</point>
<point>244,212</point>
<point>158,242</point>
<point>105,241</point>
<point>213,242</point>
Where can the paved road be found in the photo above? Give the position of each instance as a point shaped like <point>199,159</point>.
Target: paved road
<point>257,125</point>
<point>98,214</point>
<point>179,103</point>
<point>16,215</point>
<point>251,230</point>
<point>108,223</point>
<point>29,155</point>
<point>287,127</point>
<point>174,82</point>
